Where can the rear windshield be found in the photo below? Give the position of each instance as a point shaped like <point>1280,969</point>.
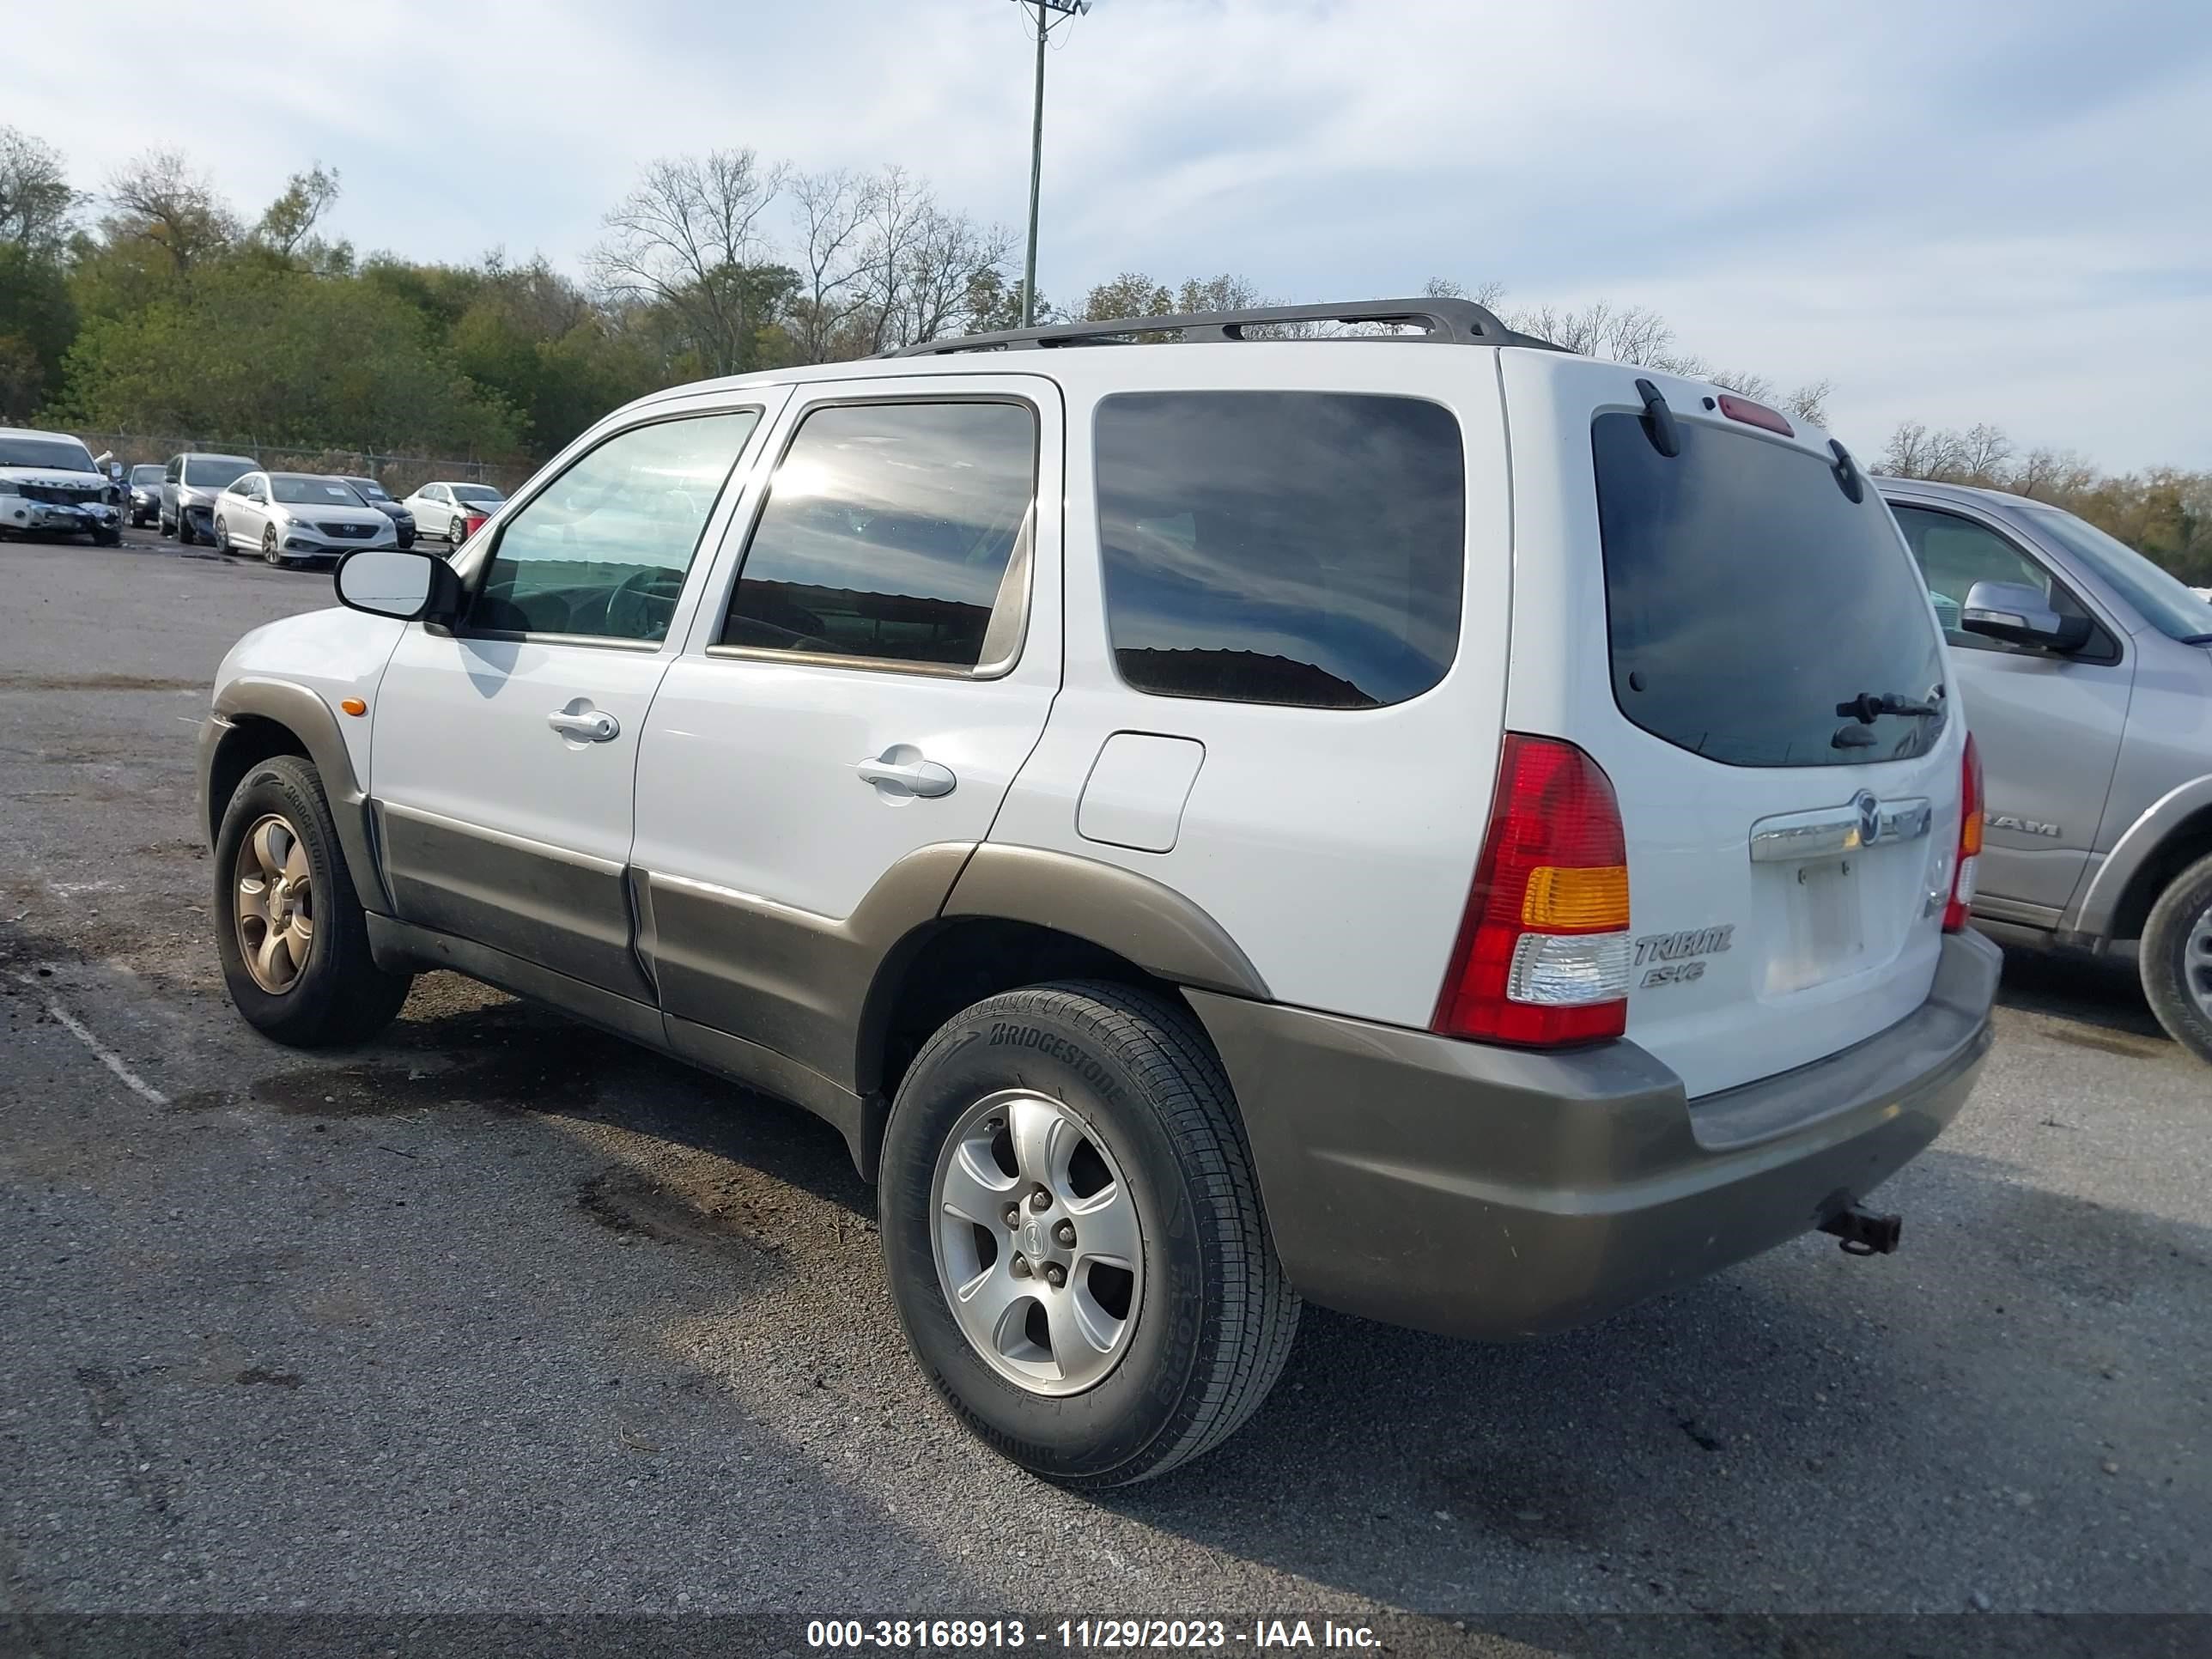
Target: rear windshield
<point>146,472</point>
<point>1748,599</point>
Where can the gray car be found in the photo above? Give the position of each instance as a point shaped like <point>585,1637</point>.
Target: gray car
<point>190,486</point>
<point>2086,675</point>
<point>145,486</point>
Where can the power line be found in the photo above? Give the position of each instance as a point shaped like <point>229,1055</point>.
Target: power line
<point>1050,15</point>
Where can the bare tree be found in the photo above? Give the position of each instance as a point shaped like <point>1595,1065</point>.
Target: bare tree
<point>832,211</point>
<point>288,221</point>
<point>2052,474</point>
<point>36,202</point>
<point>162,197</point>
<point>899,208</point>
<point>1982,453</point>
<point>947,256</point>
<point>688,239</point>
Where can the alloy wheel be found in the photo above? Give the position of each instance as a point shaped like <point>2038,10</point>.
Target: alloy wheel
<point>2196,962</point>
<point>274,898</point>
<point>1039,1247</point>
<point>268,553</point>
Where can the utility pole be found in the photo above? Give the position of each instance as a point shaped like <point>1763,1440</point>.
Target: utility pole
<point>1050,15</point>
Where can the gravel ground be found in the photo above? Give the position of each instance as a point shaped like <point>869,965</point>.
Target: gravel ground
<point>498,1315</point>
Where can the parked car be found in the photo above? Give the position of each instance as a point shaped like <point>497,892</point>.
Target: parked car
<point>145,487</point>
<point>1100,873</point>
<point>189,484</point>
<point>288,516</point>
<point>403,522</point>
<point>50,485</point>
<point>2087,673</point>
<point>442,509</point>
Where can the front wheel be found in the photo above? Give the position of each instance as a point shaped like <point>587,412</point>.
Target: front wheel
<point>183,530</point>
<point>289,929</point>
<point>2175,959</point>
<point>1073,1236</point>
<point>268,553</point>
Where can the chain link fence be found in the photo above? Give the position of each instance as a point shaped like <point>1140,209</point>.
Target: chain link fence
<point>400,474</point>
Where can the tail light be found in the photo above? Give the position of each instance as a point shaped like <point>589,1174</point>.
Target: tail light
<point>1543,958</point>
<point>1957,912</point>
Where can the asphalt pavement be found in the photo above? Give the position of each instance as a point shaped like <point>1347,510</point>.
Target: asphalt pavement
<point>500,1315</point>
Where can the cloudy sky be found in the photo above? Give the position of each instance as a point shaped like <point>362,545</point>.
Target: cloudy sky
<point>1976,210</point>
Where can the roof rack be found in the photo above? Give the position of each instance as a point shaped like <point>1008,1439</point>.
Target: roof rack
<point>1449,322</point>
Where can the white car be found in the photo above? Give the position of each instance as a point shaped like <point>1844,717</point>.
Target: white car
<point>286,516</point>
<point>1211,823</point>
<point>50,485</point>
<point>442,510</point>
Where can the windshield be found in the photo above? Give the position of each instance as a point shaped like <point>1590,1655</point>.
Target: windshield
<point>146,472</point>
<point>315,492</point>
<point>1760,616</point>
<point>213,472</point>
<point>368,490</point>
<point>478,496</point>
<point>2166,601</point>
<point>58,454</point>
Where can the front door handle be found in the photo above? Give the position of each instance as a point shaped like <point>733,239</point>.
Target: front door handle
<point>585,724</point>
<point>902,771</point>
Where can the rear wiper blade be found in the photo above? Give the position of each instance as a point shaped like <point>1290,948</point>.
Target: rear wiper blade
<point>1869,706</point>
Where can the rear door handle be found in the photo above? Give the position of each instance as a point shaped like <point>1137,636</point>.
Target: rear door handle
<point>903,775</point>
<point>585,724</point>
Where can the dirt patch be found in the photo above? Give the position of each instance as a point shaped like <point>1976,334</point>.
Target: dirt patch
<point>21,682</point>
<point>2109,1043</point>
<point>556,1070</point>
<point>630,1203</point>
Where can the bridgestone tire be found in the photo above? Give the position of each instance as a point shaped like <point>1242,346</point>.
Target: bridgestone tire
<point>1216,1317</point>
<point>2164,963</point>
<point>341,995</point>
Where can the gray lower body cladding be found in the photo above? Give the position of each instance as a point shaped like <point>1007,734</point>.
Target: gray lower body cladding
<point>1492,1193</point>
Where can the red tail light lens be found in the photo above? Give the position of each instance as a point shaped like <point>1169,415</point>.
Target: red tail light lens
<point>1959,911</point>
<point>1543,958</point>
<point>1755,414</point>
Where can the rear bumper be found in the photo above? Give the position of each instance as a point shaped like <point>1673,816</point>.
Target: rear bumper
<point>1488,1192</point>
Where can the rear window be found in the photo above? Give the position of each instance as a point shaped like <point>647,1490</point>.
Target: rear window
<point>1747,596</point>
<point>1281,547</point>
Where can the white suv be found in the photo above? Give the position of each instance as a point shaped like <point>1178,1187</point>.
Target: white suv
<point>1212,823</point>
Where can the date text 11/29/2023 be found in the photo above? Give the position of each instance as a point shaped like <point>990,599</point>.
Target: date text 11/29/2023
<point>1087,1635</point>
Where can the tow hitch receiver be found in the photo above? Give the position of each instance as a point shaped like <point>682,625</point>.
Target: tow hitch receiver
<point>1861,1232</point>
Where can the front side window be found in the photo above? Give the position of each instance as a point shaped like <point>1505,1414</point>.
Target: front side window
<point>889,534</point>
<point>1281,547</point>
<point>2167,602</point>
<point>1748,599</point>
<point>1955,553</point>
<point>602,551</point>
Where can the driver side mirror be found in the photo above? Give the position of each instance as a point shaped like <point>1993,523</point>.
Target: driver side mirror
<point>2021,614</point>
<point>403,584</point>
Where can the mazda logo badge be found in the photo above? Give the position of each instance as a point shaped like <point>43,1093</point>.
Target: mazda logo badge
<point>1870,812</point>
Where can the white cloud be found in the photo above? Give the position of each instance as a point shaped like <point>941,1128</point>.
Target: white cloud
<point>1988,211</point>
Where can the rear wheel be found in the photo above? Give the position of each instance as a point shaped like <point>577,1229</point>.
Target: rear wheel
<point>1073,1235</point>
<point>2175,958</point>
<point>289,929</point>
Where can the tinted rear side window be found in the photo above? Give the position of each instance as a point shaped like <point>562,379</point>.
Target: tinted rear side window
<point>890,533</point>
<point>1281,547</point>
<point>1747,596</point>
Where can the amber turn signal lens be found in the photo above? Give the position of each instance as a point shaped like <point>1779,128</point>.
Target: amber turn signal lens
<point>354,706</point>
<point>1575,901</point>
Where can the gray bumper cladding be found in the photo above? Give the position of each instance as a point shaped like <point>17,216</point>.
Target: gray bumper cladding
<point>1488,1192</point>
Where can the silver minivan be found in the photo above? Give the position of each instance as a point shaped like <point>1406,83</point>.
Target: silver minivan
<point>2086,675</point>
